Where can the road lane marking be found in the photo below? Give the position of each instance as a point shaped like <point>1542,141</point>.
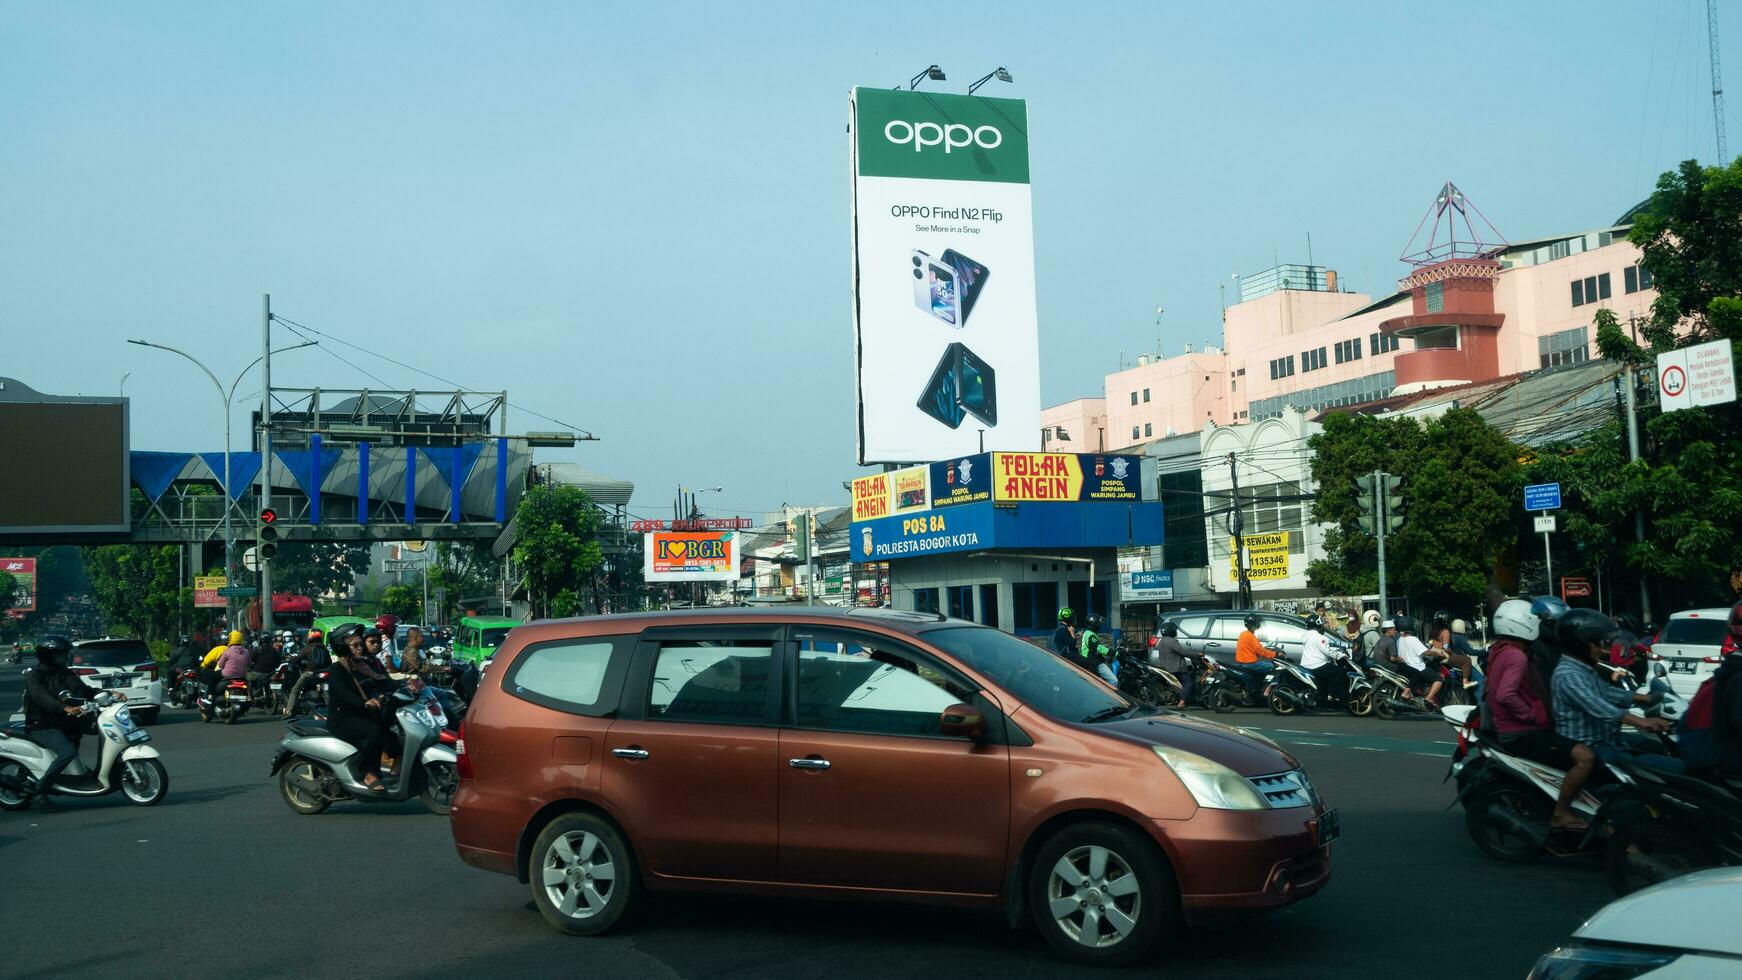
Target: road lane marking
<point>1296,731</point>
<point>1431,755</point>
<point>1298,742</point>
<point>1362,748</point>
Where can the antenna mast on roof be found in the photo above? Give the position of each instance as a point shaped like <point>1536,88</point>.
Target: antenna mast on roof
<point>1448,207</point>
<point>1717,82</point>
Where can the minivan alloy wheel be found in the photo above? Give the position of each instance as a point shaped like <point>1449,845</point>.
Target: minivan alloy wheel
<point>1094,896</point>
<point>578,874</point>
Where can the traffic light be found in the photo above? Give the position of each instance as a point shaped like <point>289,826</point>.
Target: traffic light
<point>800,528</point>
<point>1393,503</point>
<point>1365,500</point>
<point>266,535</point>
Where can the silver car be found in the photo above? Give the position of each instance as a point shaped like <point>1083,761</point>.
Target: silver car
<point>1216,631</point>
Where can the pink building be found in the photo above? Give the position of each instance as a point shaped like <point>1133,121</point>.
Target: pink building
<point>1469,310</point>
<point>1078,426</point>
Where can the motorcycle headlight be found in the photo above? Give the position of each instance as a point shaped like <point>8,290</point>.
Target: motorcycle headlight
<point>1213,785</point>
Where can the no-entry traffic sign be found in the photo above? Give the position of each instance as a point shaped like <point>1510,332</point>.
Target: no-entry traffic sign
<point>1703,374</point>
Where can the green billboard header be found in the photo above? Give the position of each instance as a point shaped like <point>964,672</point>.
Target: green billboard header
<point>943,137</point>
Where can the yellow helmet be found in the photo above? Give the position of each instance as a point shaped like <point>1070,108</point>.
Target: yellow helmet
<point>235,636</point>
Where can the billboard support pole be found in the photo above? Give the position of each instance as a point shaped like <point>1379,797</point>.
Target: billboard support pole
<point>265,597</point>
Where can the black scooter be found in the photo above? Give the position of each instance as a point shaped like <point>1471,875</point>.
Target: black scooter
<point>1662,825</point>
<point>1228,686</point>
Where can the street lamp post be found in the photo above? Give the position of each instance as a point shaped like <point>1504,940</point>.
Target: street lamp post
<point>226,396</point>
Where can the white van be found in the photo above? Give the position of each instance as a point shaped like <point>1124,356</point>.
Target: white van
<point>1688,647</point>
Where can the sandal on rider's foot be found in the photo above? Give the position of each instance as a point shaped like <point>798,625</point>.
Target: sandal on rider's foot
<point>1574,825</point>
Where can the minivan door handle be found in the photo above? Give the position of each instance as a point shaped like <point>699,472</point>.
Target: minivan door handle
<point>630,753</point>
<point>808,763</point>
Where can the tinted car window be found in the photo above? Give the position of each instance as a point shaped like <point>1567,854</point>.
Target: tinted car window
<point>851,682</point>
<point>1707,632</point>
<point>123,654</point>
<point>1194,625</point>
<point>719,682</point>
<point>581,676</point>
<point>1039,679</point>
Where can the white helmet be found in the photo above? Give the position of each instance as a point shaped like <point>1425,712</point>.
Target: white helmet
<point>1370,618</point>
<point>1515,619</point>
<point>1460,627</point>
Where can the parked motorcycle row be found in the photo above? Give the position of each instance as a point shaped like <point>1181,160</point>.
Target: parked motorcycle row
<point>1645,825</point>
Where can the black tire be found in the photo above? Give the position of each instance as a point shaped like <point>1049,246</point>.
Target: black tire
<point>12,777</point>
<point>573,850</point>
<point>144,781</point>
<point>439,783</point>
<point>1223,701</point>
<point>1382,706</point>
<point>1131,906</point>
<point>1495,838</point>
<point>295,797</point>
<point>1645,852</point>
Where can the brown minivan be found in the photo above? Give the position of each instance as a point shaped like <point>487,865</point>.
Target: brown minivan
<point>868,754</point>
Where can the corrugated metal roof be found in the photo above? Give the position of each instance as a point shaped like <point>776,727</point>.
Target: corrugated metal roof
<point>606,491</point>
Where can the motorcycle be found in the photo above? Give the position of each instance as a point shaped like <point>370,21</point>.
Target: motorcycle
<point>1394,695</point>
<point>1508,800</point>
<point>307,692</point>
<point>1147,682</point>
<point>1662,825</point>
<point>316,769</point>
<point>125,762</point>
<point>186,690</point>
<point>1229,686</point>
<point>439,665</point>
<point>1294,688</point>
<point>227,704</point>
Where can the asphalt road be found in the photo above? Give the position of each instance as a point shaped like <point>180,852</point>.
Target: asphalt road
<point>223,879</point>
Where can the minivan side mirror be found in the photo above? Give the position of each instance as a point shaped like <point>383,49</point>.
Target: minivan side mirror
<point>962,720</point>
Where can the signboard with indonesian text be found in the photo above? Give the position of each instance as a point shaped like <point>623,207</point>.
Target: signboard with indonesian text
<point>691,556</point>
<point>23,570</point>
<point>1266,556</point>
<point>1703,374</point>
<point>207,591</point>
<point>884,494</point>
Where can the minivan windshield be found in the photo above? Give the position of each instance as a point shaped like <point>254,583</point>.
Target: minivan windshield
<point>1037,677</point>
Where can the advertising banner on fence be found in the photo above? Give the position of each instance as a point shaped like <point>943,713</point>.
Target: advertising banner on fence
<point>944,318</point>
<point>23,571</point>
<point>691,556</point>
<point>206,594</point>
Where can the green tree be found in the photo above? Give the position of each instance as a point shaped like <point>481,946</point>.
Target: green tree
<point>318,568</point>
<point>8,591</point>
<point>137,587</point>
<point>401,601</point>
<point>558,547</point>
<point>1692,245</point>
<point>460,569</point>
<point>1460,477</point>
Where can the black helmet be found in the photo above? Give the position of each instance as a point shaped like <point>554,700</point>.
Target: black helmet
<point>1548,608</point>
<point>182,639</point>
<point>339,640</point>
<point>1630,623</point>
<point>1405,624</point>
<point>1170,628</point>
<point>1313,622</point>
<point>1253,622</point>
<point>1094,622</point>
<point>51,651</point>
<point>1577,628</point>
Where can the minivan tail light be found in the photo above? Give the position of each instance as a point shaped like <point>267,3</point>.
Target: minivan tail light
<point>462,761</point>
<point>85,671</point>
<point>149,670</point>
<point>1710,660</point>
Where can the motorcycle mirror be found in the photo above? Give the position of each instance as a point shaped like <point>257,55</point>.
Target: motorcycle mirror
<point>1658,670</point>
<point>65,695</point>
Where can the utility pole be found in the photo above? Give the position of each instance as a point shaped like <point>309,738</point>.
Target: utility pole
<point>265,596</point>
<point>1633,454</point>
<point>1245,591</point>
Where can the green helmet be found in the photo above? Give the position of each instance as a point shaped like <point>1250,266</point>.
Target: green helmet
<point>1065,614</point>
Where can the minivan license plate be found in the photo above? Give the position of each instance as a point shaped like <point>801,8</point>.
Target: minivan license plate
<point>1330,827</point>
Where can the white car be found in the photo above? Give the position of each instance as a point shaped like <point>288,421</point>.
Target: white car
<point>125,666</point>
<point>1688,647</point>
<point>1682,928</point>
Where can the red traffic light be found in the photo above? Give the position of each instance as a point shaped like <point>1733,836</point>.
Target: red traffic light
<point>268,516</point>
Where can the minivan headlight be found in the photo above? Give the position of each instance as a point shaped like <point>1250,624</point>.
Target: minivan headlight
<point>1212,784</point>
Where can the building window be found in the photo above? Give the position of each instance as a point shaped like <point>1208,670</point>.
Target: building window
<point>1566,347</point>
<point>925,600</point>
<point>1436,297</point>
<point>1379,343</point>
<point>1134,432</point>
<point>1578,292</point>
<point>1630,279</point>
<point>1602,286</point>
<point>1590,289</point>
<point>1134,398</point>
<point>989,606</point>
<point>1036,606</point>
<point>1290,366</point>
<point>1645,278</point>
<point>1348,350</point>
<point>1146,396</point>
<point>1148,430</point>
<point>961,601</point>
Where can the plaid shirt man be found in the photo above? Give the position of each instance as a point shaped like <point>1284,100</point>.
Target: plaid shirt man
<point>1586,709</point>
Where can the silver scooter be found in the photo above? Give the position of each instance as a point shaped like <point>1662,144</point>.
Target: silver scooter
<point>316,769</point>
<point>125,762</point>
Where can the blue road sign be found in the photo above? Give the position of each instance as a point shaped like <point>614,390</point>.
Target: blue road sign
<point>1542,496</point>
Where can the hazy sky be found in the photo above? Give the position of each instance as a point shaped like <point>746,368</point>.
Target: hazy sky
<point>635,217</point>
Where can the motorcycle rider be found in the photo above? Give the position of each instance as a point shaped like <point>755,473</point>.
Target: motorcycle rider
<point>1370,634</point>
<point>1588,708</point>
<point>1410,660</point>
<point>309,661</point>
<point>181,658</point>
<point>233,665</point>
<point>53,725</point>
<point>1316,659</point>
<point>1248,649</point>
<point>209,673</point>
<point>1711,737</point>
<point>1064,639</point>
<point>267,656</point>
<point>1518,712</point>
<point>353,711</point>
<point>1170,655</point>
<point>1095,652</point>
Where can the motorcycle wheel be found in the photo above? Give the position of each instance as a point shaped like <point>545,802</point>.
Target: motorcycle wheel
<point>1280,705</point>
<point>439,783</point>
<point>1453,693</point>
<point>230,719</point>
<point>1223,701</point>
<point>12,793</point>
<point>290,786</point>
<point>1382,705</point>
<point>1361,705</point>
<point>144,781</point>
<point>1495,838</point>
<point>1646,852</point>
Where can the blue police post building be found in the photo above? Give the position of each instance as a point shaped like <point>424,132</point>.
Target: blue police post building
<point>1006,539</point>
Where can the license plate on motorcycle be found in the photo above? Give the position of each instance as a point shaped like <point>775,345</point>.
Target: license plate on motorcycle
<point>278,687</point>
<point>1683,665</point>
<point>138,735</point>
<point>1329,827</point>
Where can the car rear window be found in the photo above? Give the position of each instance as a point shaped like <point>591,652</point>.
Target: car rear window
<point>1694,632</point>
<point>110,655</point>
